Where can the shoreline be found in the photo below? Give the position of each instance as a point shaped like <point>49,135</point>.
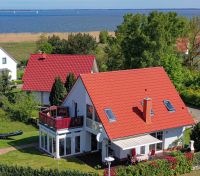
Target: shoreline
<point>32,37</point>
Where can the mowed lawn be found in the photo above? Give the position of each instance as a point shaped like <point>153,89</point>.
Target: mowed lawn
<point>193,173</point>
<point>19,50</point>
<point>30,134</point>
<point>32,157</point>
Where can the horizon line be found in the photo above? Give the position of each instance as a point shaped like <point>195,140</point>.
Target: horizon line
<point>105,9</point>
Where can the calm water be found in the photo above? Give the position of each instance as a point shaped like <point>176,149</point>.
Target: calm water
<point>70,20</point>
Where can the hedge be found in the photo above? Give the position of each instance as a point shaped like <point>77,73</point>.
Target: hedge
<point>196,159</point>
<point>171,165</point>
<point>6,170</point>
<point>191,97</point>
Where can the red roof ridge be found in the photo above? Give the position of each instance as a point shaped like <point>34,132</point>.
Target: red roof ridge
<point>88,55</point>
<point>120,71</point>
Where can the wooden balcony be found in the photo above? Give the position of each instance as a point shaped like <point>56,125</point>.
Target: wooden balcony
<point>59,122</point>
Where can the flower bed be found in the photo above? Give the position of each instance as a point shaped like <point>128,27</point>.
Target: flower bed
<point>173,164</point>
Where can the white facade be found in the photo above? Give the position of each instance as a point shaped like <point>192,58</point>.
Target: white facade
<point>78,101</point>
<point>8,63</point>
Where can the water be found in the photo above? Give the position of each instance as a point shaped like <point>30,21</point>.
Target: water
<point>70,20</point>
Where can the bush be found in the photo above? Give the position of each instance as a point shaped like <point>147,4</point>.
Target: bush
<point>103,37</point>
<point>191,97</point>
<point>176,164</point>
<point>195,136</point>
<point>196,159</point>
<point>27,171</point>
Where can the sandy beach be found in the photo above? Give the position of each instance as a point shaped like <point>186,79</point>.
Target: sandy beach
<point>27,37</point>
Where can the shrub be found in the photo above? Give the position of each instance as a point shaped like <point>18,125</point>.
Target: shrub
<point>6,170</point>
<point>103,37</point>
<point>195,136</point>
<point>174,164</point>
<point>196,159</point>
<point>191,97</point>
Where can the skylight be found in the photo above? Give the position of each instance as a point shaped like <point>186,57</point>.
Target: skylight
<point>169,106</point>
<point>110,115</point>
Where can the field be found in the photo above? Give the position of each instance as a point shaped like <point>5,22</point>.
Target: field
<point>30,134</point>
<point>19,50</point>
<point>34,158</point>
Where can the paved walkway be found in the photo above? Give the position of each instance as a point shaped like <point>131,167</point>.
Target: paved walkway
<point>195,113</point>
<point>8,149</point>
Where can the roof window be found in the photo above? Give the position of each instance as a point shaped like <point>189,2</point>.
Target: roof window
<point>169,106</point>
<point>110,115</point>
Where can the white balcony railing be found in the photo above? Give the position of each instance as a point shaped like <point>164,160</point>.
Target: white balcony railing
<point>93,124</point>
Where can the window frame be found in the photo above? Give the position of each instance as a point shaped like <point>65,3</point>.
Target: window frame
<point>4,60</point>
<point>170,109</point>
<point>113,118</point>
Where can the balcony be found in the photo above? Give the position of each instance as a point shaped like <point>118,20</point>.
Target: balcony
<point>58,118</point>
<point>93,124</point>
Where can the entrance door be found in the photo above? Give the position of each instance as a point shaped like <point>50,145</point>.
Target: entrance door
<point>94,142</point>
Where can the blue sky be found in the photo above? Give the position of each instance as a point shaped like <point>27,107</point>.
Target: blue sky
<point>97,4</point>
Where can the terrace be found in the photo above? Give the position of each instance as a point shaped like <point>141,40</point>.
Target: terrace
<point>57,117</point>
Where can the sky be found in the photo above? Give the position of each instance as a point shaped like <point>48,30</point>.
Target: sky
<point>98,4</point>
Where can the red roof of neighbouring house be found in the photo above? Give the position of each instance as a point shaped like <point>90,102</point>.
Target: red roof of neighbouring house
<point>123,91</point>
<point>42,69</point>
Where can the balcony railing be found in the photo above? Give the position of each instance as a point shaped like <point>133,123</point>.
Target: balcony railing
<point>92,124</point>
<point>60,122</point>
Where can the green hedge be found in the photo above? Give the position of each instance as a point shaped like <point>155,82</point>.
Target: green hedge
<point>196,160</point>
<point>191,97</point>
<point>6,170</point>
<point>172,165</point>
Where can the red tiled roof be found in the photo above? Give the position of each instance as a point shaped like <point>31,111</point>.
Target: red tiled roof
<point>123,91</point>
<point>40,73</point>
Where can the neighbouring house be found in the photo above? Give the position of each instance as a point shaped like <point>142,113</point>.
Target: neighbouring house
<point>117,113</point>
<point>8,64</point>
<point>42,69</point>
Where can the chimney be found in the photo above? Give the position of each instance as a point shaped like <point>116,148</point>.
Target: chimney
<point>147,105</point>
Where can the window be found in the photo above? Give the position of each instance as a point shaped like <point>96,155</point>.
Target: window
<point>152,147</point>
<point>4,61</point>
<point>68,145</point>
<point>142,150</point>
<point>77,144</point>
<point>169,106</point>
<point>61,143</point>
<point>110,115</point>
<point>50,144</point>
<point>89,111</point>
<point>158,135</point>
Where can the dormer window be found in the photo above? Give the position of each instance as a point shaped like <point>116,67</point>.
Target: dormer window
<point>4,61</point>
<point>111,117</point>
<point>169,106</point>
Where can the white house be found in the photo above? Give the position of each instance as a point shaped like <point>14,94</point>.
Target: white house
<point>8,63</point>
<point>117,113</point>
<point>42,69</point>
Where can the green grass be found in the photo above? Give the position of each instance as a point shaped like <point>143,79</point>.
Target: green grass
<point>193,173</point>
<point>19,50</point>
<point>30,134</point>
<point>33,158</point>
<point>187,136</point>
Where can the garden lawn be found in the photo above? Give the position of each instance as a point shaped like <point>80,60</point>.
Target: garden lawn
<point>19,50</point>
<point>32,157</point>
<point>30,134</point>
<point>187,136</point>
<point>193,173</point>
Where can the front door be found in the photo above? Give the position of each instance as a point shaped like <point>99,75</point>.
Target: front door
<point>94,142</point>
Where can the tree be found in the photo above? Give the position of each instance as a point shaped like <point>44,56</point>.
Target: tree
<point>195,136</point>
<point>6,86</point>
<point>103,37</point>
<point>57,93</point>
<point>22,108</point>
<point>70,80</point>
<point>144,40</point>
<point>57,44</point>
<point>42,45</point>
<point>80,44</point>
<point>193,44</point>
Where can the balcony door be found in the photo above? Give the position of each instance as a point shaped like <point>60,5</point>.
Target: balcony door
<point>75,109</point>
<point>94,142</point>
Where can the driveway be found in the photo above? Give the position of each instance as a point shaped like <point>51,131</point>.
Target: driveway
<point>195,113</point>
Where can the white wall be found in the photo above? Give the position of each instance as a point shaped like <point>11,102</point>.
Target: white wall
<point>10,64</point>
<point>171,135</point>
<point>42,97</point>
